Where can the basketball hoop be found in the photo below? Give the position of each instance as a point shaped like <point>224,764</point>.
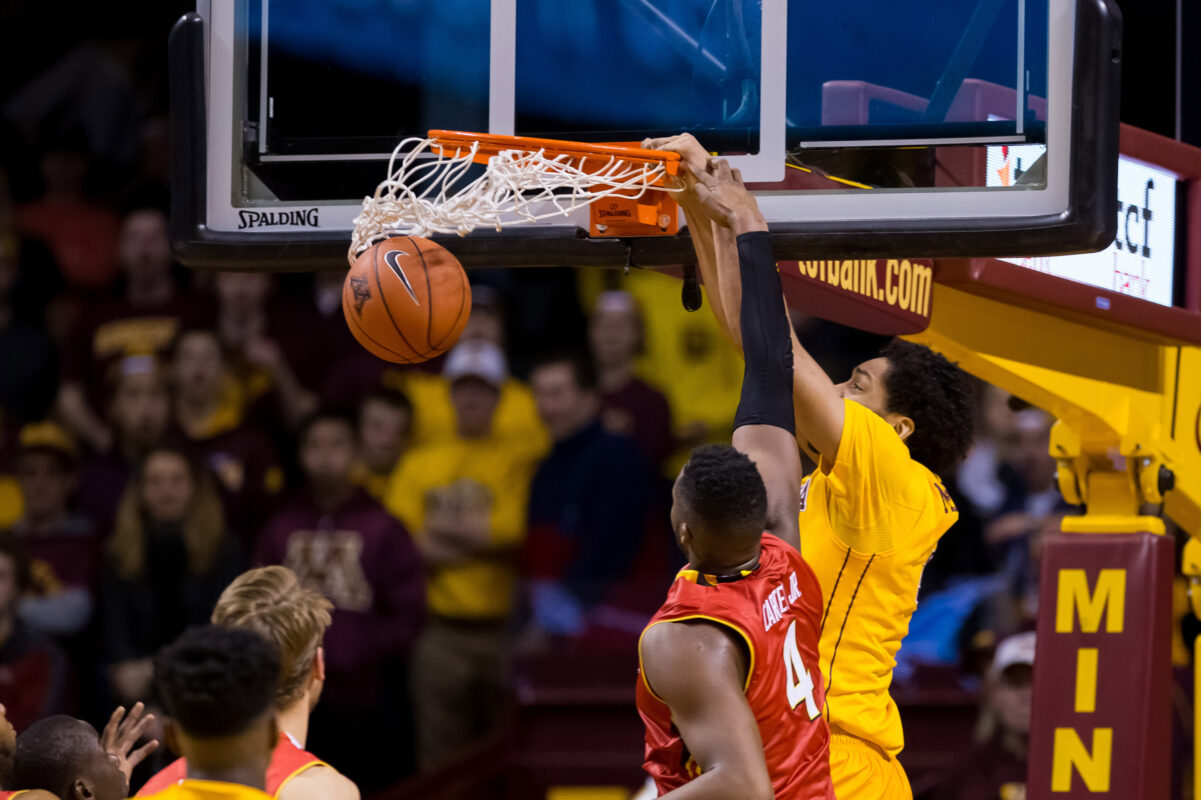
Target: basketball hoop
<point>525,180</point>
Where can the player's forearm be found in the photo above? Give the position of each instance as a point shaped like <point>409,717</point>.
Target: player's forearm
<point>704,241</point>
<point>722,783</point>
<point>727,278</point>
<point>766,337</point>
<point>764,426</point>
<point>816,403</point>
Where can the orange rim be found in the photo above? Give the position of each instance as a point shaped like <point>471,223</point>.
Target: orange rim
<point>445,142</point>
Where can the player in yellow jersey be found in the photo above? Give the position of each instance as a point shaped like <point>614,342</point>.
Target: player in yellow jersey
<point>217,686</point>
<point>872,512</point>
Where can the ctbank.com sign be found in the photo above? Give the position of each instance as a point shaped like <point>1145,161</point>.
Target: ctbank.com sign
<point>1141,261</point>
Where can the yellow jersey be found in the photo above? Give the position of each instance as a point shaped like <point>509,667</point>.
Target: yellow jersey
<point>467,477</point>
<point>209,790</point>
<point>686,356</point>
<point>12,502</point>
<point>516,419</point>
<point>869,522</point>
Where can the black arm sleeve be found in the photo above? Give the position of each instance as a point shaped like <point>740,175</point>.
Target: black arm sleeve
<point>766,339</point>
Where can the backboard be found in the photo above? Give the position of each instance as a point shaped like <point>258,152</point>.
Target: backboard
<point>865,126</point>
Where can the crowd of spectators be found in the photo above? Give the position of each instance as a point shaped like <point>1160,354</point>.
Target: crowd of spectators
<point>161,430</point>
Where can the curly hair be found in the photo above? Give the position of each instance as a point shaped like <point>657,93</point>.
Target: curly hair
<point>723,487</point>
<point>932,391</point>
<point>214,682</point>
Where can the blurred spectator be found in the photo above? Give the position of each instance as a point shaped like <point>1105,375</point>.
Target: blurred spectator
<point>142,319</point>
<point>979,476</point>
<point>977,491</point>
<point>90,91</point>
<point>8,747</point>
<point>588,502</point>
<point>687,357</point>
<point>139,411</point>
<point>33,671</point>
<point>81,234</point>
<point>259,343</point>
<point>169,558</point>
<point>28,367</point>
<point>385,430</point>
<point>331,345</point>
<point>996,768</point>
<point>209,410</point>
<point>465,498</point>
<point>629,406</point>
<point>515,420</point>
<point>344,544</point>
<point>1031,508</point>
<point>62,545</point>
<point>12,506</point>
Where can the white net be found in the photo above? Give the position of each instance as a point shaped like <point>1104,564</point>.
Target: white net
<point>428,192</point>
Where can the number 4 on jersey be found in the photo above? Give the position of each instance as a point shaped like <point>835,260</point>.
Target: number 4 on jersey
<point>797,680</point>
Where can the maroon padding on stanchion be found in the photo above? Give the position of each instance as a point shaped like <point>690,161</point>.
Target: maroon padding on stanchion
<point>1133,665</point>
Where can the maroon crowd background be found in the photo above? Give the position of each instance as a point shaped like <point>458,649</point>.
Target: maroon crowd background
<point>152,418</point>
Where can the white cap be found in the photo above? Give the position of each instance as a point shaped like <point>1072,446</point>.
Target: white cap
<point>137,365</point>
<point>1014,650</point>
<point>476,359</point>
<point>616,300</point>
<point>1032,419</point>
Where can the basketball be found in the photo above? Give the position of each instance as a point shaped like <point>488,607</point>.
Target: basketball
<point>406,299</point>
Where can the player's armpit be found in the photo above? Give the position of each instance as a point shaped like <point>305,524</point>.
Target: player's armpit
<point>775,454</point>
<point>699,671</point>
<point>319,783</point>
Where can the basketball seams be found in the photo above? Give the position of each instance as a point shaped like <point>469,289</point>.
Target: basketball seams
<point>418,354</point>
<point>372,332</point>
<point>429,296</point>
<point>350,319</point>
<point>463,295</point>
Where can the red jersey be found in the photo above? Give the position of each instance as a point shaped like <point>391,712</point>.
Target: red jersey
<point>776,610</point>
<point>287,761</point>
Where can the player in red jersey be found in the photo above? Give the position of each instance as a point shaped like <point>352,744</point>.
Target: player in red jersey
<point>272,602</point>
<point>67,754</point>
<point>730,692</point>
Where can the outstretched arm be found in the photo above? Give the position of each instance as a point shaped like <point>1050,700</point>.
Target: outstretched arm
<point>699,671</point>
<point>708,236</point>
<point>764,426</point>
<point>817,403</point>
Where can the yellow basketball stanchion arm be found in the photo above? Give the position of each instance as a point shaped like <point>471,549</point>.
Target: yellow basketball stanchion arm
<point>1128,409</point>
<point>1128,435</point>
<point>1190,565</point>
